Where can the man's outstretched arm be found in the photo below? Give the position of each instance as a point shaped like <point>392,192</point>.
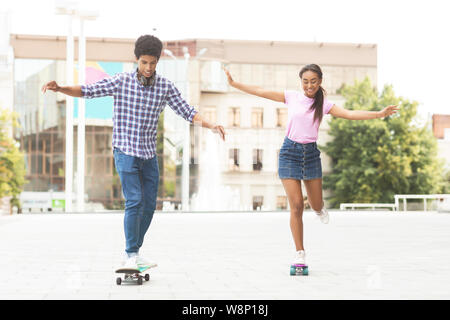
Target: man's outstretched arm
<point>73,91</point>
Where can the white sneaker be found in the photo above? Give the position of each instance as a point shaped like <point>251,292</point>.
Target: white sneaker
<point>130,264</point>
<point>300,257</point>
<point>142,262</point>
<point>323,215</point>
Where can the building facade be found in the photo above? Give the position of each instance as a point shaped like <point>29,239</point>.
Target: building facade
<point>441,130</point>
<point>248,160</point>
<point>238,174</point>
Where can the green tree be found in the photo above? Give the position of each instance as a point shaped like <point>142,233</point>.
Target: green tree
<point>372,160</point>
<point>12,163</point>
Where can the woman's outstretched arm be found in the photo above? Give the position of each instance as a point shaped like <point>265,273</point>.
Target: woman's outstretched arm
<point>340,112</point>
<point>255,90</point>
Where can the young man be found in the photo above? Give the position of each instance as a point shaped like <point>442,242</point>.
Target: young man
<point>139,98</point>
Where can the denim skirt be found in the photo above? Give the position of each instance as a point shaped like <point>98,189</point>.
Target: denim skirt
<point>299,161</point>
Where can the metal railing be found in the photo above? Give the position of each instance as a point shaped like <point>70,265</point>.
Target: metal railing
<point>396,206</point>
<point>343,206</point>
<point>418,196</point>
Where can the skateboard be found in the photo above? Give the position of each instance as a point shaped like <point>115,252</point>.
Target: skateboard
<point>134,275</point>
<point>299,270</point>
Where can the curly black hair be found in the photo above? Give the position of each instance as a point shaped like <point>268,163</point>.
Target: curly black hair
<point>148,45</point>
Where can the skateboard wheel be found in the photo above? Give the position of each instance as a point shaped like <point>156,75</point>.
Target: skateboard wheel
<point>147,277</point>
<point>305,271</point>
<point>293,271</point>
<point>139,280</point>
<point>119,281</point>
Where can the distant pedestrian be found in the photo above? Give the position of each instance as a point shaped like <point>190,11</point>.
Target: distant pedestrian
<point>139,98</point>
<point>299,157</point>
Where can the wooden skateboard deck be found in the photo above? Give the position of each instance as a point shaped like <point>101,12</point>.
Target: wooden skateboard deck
<point>134,275</point>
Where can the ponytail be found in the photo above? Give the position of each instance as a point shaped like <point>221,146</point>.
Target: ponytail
<point>317,106</point>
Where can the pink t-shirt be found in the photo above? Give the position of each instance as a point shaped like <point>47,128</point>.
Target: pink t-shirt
<point>301,126</point>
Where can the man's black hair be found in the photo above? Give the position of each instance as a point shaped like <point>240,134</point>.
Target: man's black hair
<point>148,45</point>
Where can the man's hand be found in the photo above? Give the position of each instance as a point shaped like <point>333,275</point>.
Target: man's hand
<point>199,121</point>
<point>220,130</point>
<point>52,85</point>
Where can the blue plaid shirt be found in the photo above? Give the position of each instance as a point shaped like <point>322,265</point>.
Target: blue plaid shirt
<point>137,109</point>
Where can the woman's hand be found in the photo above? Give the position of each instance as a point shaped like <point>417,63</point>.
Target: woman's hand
<point>230,79</point>
<point>388,111</point>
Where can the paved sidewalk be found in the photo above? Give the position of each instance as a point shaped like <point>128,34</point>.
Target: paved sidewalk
<point>359,255</point>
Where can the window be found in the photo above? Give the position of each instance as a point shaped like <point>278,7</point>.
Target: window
<point>257,159</point>
<point>234,117</point>
<point>281,117</point>
<point>257,202</point>
<point>234,159</point>
<point>257,117</point>
<point>282,202</point>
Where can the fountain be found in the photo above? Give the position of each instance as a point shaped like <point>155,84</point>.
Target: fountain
<point>212,195</point>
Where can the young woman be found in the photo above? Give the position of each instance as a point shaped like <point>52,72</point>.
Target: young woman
<point>299,157</point>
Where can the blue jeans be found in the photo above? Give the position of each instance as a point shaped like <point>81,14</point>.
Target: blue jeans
<point>139,178</point>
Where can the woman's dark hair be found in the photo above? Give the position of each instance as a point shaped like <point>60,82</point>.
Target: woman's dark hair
<point>317,106</point>
<point>148,45</point>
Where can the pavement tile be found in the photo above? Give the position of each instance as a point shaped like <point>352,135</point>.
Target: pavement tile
<point>232,256</point>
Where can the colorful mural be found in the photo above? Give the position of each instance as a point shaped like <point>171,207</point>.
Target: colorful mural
<point>100,108</point>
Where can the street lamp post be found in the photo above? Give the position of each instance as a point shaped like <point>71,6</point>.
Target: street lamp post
<point>186,143</point>
<point>83,15</point>
<point>68,8</point>
<point>71,8</point>
<point>69,119</point>
<point>81,136</point>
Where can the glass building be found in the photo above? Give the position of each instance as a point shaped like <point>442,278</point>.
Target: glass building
<point>41,134</point>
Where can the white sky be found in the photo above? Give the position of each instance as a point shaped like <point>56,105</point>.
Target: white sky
<point>413,36</point>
